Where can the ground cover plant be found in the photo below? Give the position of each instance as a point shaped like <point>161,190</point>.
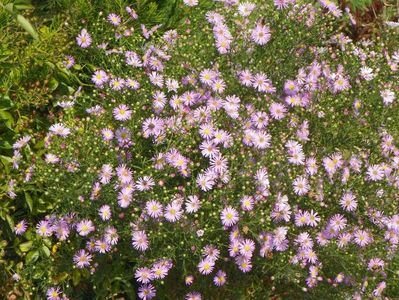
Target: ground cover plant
<point>248,153</point>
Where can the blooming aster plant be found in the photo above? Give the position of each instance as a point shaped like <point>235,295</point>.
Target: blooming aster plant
<point>252,144</point>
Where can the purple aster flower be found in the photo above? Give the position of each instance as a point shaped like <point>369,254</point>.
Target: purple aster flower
<point>114,19</point>
<point>82,259</point>
<point>84,39</point>
<point>20,228</point>
<point>146,292</point>
<point>122,113</point>
<point>53,293</point>
<point>85,227</point>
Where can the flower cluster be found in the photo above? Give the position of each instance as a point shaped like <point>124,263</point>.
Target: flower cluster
<point>232,167</point>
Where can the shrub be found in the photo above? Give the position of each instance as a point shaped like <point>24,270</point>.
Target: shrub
<point>248,154</point>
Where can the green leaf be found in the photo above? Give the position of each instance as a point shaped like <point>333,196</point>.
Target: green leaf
<point>25,24</point>
<point>24,6</point>
<point>53,85</point>
<point>25,247</point>
<point>46,251</point>
<point>29,201</point>
<point>32,256</point>
<point>6,162</point>
<point>76,277</point>
<point>9,7</point>
<point>10,222</point>
<point>5,115</point>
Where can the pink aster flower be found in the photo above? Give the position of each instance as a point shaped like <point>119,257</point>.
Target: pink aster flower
<point>99,78</point>
<point>146,292</point>
<point>85,227</point>
<point>206,266</point>
<point>192,204</point>
<point>83,39</point>
<point>54,293</point>
<point>105,212</point>
<point>44,228</point>
<point>277,110</point>
<point>193,296</point>
<point>21,142</point>
<point>375,172</point>
<point>260,34</point>
<point>191,2</point>
<point>338,222</point>
<point>122,113</point>
<point>348,202</point>
<point>140,240</point>
<point>362,238</point>
<point>173,212</point>
<point>154,209</point>
<point>21,227</point>
<point>301,186</point>
<point>220,278</point>
<point>114,19</point>
<point>60,129</point>
<point>229,216</point>
<point>82,259</point>
<point>143,275</point>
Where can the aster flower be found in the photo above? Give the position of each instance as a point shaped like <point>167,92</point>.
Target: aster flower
<point>229,216</point>
<point>125,197</point>
<point>260,34</point>
<point>146,292</point>
<point>124,174</point>
<point>192,204</point>
<point>193,296</point>
<point>154,208</point>
<point>301,186</point>
<point>173,212</point>
<point>69,61</point>
<point>20,143</point>
<point>376,264</point>
<point>145,183</point>
<point>114,19</point>
<point>85,227</point>
<point>348,202</point>
<point>281,4</point>
<point>105,212</point>
<point>44,228</point>
<point>245,9</point>
<point>99,78</point>
<point>60,129</point>
<point>106,173</point>
<point>338,222</point>
<point>246,248</point>
<point>206,266</point>
<point>82,259</point>
<point>205,182</point>
<point>159,270</point>
<point>388,96</point>
<point>139,240</point>
<point>122,113</point>
<point>21,227</point>
<point>277,111</point>
<point>367,73</point>
<point>117,84</point>
<point>362,238</point>
<point>54,293</point>
<point>83,39</point>
<point>243,264</point>
<point>191,2</point>
<point>220,278</point>
<point>375,172</point>
<point>143,275</point>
